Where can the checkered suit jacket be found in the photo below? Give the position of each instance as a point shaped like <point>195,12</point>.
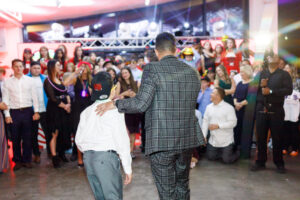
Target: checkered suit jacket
<point>168,94</point>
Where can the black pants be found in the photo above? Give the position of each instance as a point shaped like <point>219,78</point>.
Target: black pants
<point>143,131</point>
<point>291,135</point>
<point>35,130</point>
<point>273,121</point>
<point>170,170</point>
<point>226,154</point>
<point>21,131</point>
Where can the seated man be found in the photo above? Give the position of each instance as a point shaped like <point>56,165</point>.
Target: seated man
<point>220,119</point>
<point>102,140</point>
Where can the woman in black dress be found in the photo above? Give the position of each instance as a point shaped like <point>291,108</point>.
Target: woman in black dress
<point>128,88</point>
<point>81,79</point>
<point>58,107</point>
<point>208,57</point>
<point>240,102</point>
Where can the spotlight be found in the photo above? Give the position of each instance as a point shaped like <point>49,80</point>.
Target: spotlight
<point>153,25</point>
<point>286,37</point>
<point>96,26</point>
<point>186,25</point>
<point>147,2</point>
<point>123,52</point>
<point>262,41</point>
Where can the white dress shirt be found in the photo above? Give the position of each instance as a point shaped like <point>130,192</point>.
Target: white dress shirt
<point>104,133</point>
<point>223,115</point>
<point>137,74</point>
<point>19,93</point>
<point>40,92</point>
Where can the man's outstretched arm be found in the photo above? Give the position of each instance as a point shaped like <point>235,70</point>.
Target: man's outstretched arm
<point>140,102</point>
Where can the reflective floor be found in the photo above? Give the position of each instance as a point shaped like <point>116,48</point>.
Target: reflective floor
<point>209,181</point>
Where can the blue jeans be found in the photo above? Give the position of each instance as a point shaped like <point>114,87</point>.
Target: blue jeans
<point>104,174</point>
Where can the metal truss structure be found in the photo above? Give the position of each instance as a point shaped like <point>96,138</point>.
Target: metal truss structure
<point>126,43</point>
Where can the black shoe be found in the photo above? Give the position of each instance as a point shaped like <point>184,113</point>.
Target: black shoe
<point>80,165</point>
<point>17,166</point>
<point>280,170</point>
<point>257,167</point>
<point>27,165</point>
<point>56,161</point>
<point>63,158</point>
<point>73,157</point>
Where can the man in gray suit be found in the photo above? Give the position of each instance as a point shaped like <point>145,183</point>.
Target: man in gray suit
<point>168,95</point>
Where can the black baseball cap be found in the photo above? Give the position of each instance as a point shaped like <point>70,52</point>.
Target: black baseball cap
<point>101,85</point>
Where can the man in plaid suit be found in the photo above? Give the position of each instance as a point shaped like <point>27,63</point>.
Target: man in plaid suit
<point>168,95</point>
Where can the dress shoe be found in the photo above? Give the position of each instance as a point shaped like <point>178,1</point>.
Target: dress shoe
<point>280,170</point>
<point>257,167</point>
<point>17,166</point>
<point>37,159</point>
<point>56,161</point>
<point>80,165</point>
<point>27,165</point>
<point>294,153</point>
<point>63,158</point>
<point>284,152</point>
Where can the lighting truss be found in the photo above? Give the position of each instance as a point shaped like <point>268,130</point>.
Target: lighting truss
<point>125,43</point>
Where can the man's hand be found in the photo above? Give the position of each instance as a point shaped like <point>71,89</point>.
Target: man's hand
<point>128,179</point>
<point>265,91</point>
<point>36,116</point>
<point>102,108</point>
<point>264,82</point>
<point>8,120</point>
<point>213,127</point>
<point>3,106</point>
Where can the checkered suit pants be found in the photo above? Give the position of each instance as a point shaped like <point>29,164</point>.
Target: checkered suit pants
<point>170,170</point>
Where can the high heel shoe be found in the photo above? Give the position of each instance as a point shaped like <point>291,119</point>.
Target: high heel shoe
<point>56,162</point>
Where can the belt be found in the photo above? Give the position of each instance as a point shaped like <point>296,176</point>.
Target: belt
<point>20,109</point>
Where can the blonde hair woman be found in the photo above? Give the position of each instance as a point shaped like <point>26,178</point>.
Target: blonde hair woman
<point>239,99</point>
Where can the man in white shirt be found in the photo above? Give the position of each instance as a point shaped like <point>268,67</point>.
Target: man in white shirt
<point>19,94</point>
<point>103,140</point>
<point>38,78</point>
<point>136,72</point>
<point>220,119</point>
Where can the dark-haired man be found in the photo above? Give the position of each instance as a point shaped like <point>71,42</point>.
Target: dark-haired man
<point>168,95</point>
<point>274,85</point>
<point>220,119</point>
<point>38,79</point>
<point>19,95</point>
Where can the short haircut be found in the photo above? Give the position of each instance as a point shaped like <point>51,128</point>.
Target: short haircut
<point>165,42</point>
<point>221,92</point>
<point>15,61</point>
<point>247,69</point>
<point>34,63</point>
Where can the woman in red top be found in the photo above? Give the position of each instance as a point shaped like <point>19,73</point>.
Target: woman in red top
<point>45,57</point>
<point>27,59</point>
<point>231,58</point>
<point>60,57</point>
<point>218,53</point>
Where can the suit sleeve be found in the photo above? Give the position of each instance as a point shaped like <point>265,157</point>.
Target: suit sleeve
<point>143,99</point>
<point>287,86</point>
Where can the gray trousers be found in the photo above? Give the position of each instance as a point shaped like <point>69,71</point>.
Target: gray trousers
<point>226,154</point>
<point>170,170</point>
<point>104,174</point>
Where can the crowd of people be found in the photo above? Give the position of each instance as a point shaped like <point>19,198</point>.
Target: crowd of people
<point>236,95</point>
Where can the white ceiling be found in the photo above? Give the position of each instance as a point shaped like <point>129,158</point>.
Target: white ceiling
<point>49,10</point>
